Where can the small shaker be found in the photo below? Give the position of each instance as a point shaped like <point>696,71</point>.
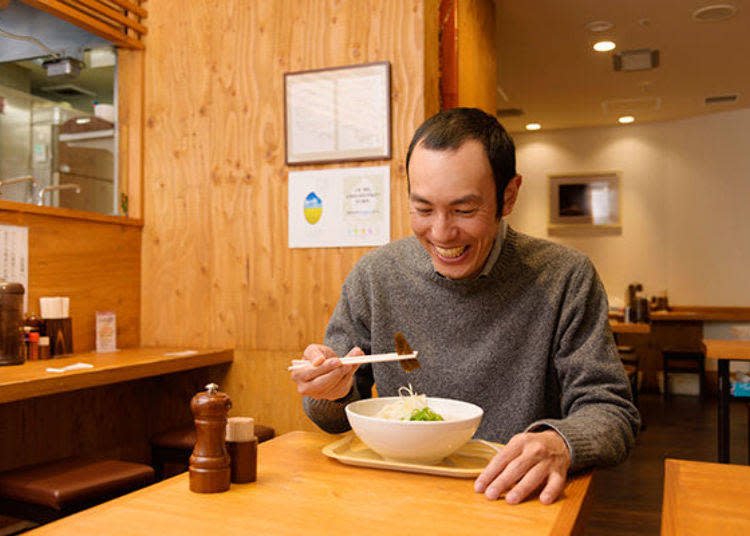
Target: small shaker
<point>209,463</point>
<point>242,445</point>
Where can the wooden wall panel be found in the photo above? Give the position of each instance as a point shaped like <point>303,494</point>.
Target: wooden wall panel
<point>97,264</point>
<point>216,266</point>
<point>431,57</point>
<point>259,386</point>
<point>477,62</point>
<point>130,88</point>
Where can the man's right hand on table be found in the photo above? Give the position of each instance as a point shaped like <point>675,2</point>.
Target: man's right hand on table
<point>327,378</point>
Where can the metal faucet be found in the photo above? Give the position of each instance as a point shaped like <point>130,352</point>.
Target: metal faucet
<point>22,178</point>
<point>66,186</point>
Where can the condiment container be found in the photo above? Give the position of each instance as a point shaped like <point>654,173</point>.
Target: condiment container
<point>33,346</point>
<point>11,324</point>
<point>44,348</point>
<point>242,446</point>
<point>209,463</point>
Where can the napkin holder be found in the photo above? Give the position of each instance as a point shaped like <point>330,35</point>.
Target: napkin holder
<point>60,333</point>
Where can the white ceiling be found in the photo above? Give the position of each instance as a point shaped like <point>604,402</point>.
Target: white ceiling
<point>548,68</point>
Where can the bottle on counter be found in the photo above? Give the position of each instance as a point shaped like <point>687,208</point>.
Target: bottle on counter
<point>35,322</point>
<point>33,346</point>
<point>26,340</point>
<point>12,347</point>
<point>44,349</point>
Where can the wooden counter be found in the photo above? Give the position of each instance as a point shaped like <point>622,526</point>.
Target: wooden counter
<point>687,313</point>
<point>733,349</point>
<point>301,491</point>
<point>19,382</point>
<point>68,213</point>
<point>725,351</point>
<point>705,498</point>
<point>680,328</point>
<point>630,327</point>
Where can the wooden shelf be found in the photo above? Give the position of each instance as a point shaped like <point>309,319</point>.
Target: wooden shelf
<point>30,380</point>
<point>12,206</point>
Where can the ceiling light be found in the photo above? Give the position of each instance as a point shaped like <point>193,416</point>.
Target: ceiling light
<point>625,119</point>
<point>597,26</point>
<point>604,46</point>
<point>714,12</point>
<point>533,126</point>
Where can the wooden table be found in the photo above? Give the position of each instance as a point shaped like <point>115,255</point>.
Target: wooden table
<point>301,491</point>
<point>705,498</point>
<point>630,327</point>
<point>29,380</point>
<point>724,352</point>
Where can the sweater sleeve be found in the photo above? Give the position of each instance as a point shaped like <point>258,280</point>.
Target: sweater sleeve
<point>348,327</point>
<point>599,421</point>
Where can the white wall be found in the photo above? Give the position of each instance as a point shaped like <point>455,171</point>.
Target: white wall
<point>685,188</point>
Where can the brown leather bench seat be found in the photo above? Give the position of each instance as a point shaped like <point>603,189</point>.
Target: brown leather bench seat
<point>51,490</point>
<point>185,438</point>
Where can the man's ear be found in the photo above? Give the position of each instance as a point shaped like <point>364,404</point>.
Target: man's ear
<point>511,194</point>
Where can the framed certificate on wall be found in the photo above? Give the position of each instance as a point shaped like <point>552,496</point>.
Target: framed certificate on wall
<point>338,114</point>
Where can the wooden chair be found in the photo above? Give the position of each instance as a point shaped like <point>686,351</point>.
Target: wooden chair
<point>691,361</point>
<point>629,361</point>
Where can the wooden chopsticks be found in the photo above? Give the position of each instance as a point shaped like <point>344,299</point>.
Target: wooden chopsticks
<point>357,359</point>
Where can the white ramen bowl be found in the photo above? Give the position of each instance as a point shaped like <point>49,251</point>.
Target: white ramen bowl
<point>420,442</point>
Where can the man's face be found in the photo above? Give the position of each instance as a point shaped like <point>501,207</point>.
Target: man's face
<point>452,207</point>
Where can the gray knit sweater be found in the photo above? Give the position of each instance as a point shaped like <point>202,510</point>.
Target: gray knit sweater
<point>529,343</point>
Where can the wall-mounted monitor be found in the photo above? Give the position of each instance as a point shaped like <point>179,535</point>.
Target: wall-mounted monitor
<point>584,201</point>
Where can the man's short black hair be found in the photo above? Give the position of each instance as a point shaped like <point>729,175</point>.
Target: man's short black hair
<point>449,129</point>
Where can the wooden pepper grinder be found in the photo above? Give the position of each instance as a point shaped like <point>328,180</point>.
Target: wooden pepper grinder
<point>209,463</point>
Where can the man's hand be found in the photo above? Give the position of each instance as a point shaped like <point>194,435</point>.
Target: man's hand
<point>327,378</point>
<point>528,462</point>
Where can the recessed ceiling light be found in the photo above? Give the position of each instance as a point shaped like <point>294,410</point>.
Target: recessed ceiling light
<point>597,26</point>
<point>714,12</point>
<point>604,46</point>
<point>533,126</point>
<point>625,119</point>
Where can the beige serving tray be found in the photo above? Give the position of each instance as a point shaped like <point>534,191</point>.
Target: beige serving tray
<point>466,462</point>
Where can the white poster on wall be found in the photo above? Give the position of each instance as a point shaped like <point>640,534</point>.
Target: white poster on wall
<point>14,257</point>
<point>340,207</point>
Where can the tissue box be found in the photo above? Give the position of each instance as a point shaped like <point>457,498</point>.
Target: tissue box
<point>740,389</point>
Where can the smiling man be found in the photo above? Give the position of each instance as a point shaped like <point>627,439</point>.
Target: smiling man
<point>514,324</point>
